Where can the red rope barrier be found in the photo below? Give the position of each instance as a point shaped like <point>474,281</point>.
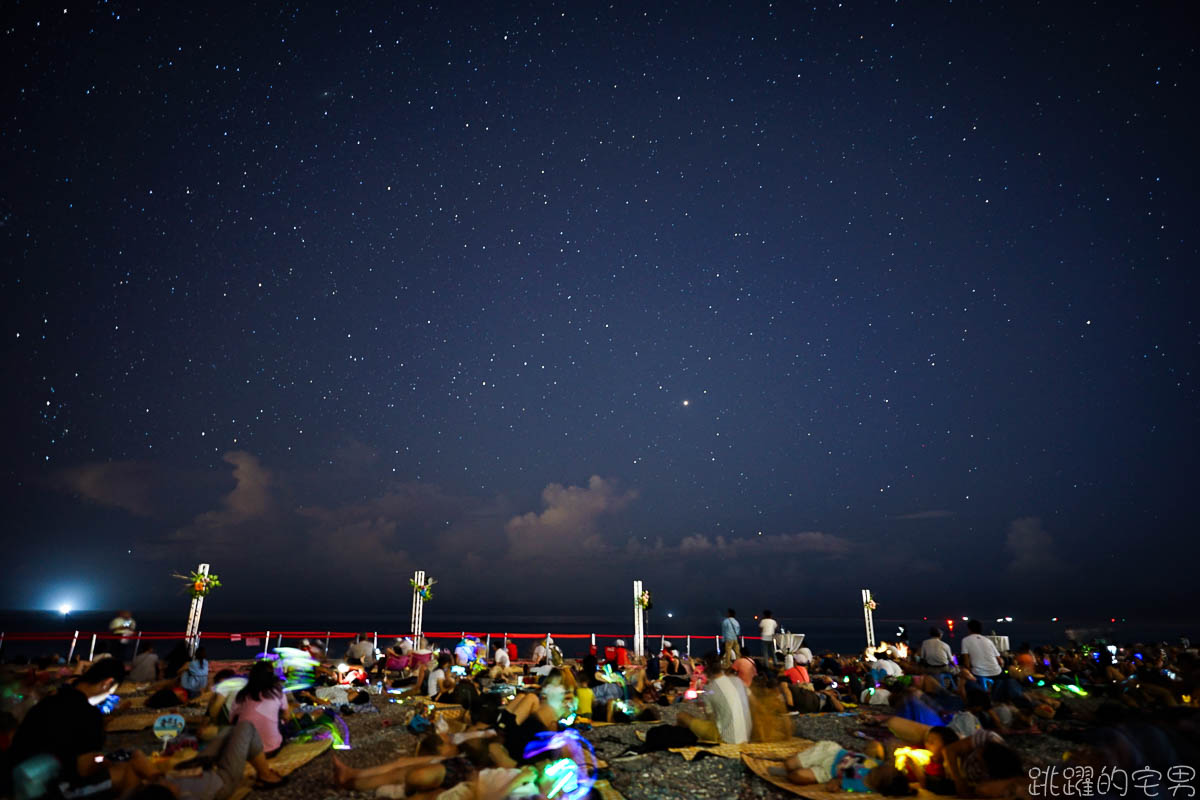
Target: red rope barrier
<point>46,636</point>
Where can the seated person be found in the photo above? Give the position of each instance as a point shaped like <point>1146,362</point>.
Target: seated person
<point>146,667</point>
<point>193,676</point>
<point>440,682</point>
<point>768,710</point>
<point>837,769</point>
<point>68,727</point>
<point>263,704</point>
<point>226,685</point>
<point>728,708</point>
<point>363,649</point>
<point>219,773</point>
<point>982,764</point>
<point>503,669</point>
<point>314,650</point>
<point>743,667</point>
<point>797,674</point>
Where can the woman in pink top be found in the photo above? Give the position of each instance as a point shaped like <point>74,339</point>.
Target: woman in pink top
<point>263,704</point>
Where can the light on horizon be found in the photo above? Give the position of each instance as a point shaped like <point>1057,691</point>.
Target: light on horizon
<point>64,609</point>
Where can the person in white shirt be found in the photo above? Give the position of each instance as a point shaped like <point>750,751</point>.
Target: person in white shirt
<point>503,669</point>
<point>982,657</point>
<point>767,626</point>
<point>889,667</point>
<point>935,654</point>
<point>728,707</point>
<point>145,666</point>
<point>439,679</point>
<point>363,650</point>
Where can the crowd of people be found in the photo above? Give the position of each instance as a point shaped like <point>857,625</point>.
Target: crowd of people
<point>956,713</point>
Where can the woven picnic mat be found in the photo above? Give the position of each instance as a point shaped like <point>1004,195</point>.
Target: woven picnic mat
<point>760,767</point>
<point>605,723</point>
<point>609,792</point>
<point>768,750</point>
<point>128,687</point>
<point>139,722</point>
<point>294,755</point>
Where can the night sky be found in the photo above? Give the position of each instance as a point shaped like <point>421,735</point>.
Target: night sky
<point>759,303</point>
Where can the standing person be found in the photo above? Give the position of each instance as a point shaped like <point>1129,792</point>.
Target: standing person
<point>731,631</point>
<point>981,656</point>
<point>124,626</point>
<point>767,627</point>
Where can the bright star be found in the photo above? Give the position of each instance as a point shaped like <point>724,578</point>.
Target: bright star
<point>687,402</point>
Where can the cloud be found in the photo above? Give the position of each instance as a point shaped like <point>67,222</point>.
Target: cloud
<point>250,501</point>
<point>251,496</point>
<point>937,513</point>
<point>569,521</point>
<point>783,544</point>
<point>129,485</point>
<point>1030,545</point>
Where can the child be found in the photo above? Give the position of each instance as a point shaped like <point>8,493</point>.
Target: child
<point>838,769</point>
<point>934,776</point>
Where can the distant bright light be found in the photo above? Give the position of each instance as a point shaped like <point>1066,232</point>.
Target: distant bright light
<point>964,619</point>
<point>64,609</point>
<point>670,614</point>
<point>687,402</point>
<point>1008,619</point>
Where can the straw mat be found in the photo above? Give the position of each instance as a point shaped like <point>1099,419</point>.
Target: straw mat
<point>139,722</point>
<point>767,750</point>
<point>760,767</point>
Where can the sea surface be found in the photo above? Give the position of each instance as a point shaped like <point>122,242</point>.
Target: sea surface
<point>841,635</point>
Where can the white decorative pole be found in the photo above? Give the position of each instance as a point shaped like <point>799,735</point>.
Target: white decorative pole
<point>639,621</point>
<point>418,607</point>
<point>192,634</point>
<point>869,616</point>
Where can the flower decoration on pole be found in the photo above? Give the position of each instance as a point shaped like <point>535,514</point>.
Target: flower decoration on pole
<point>424,589</point>
<point>869,605</point>
<point>199,584</point>
<point>644,600</point>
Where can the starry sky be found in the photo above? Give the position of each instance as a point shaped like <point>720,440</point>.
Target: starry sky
<point>758,302</point>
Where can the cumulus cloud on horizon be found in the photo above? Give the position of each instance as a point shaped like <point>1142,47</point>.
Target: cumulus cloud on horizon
<point>403,526</point>
<point>569,519</point>
<point>128,485</point>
